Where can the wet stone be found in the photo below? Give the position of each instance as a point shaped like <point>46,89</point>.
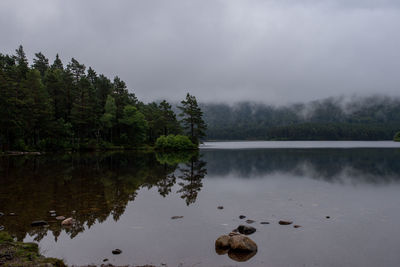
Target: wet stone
<point>116,251</point>
<point>285,222</point>
<point>12,214</point>
<point>250,221</point>
<point>296,226</point>
<point>60,218</point>
<point>328,217</point>
<point>52,211</point>
<point>176,217</point>
<point>1,227</point>
<point>220,207</point>
<point>246,230</point>
<point>68,222</point>
<point>264,222</point>
<point>1,214</point>
<point>242,217</point>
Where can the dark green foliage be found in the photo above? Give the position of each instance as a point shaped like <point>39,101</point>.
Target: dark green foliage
<point>174,142</point>
<point>55,108</point>
<point>192,119</point>
<point>397,137</point>
<point>370,118</point>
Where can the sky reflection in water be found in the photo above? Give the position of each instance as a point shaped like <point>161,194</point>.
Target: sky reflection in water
<point>126,200</point>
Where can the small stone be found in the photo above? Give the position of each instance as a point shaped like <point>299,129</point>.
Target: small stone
<point>246,230</point>
<point>296,226</point>
<point>264,222</point>
<point>328,217</point>
<point>12,214</point>
<point>60,218</point>
<point>176,217</point>
<point>39,223</point>
<point>285,222</point>
<point>1,214</point>
<point>220,207</point>
<point>52,211</point>
<point>1,227</point>
<point>242,217</point>
<point>105,260</point>
<point>249,221</point>
<point>53,214</point>
<point>68,222</point>
<point>242,243</point>
<point>116,251</point>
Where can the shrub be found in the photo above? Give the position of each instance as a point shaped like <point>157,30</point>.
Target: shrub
<point>174,142</point>
<point>397,137</point>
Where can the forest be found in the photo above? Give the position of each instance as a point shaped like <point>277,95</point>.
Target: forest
<point>362,118</point>
<point>55,107</point>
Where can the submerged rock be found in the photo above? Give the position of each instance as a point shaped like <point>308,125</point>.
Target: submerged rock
<point>242,243</point>
<point>68,222</point>
<point>176,217</point>
<point>285,222</point>
<point>242,217</point>
<point>328,217</point>
<point>246,230</point>
<point>116,251</point>
<point>264,222</point>
<point>220,207</point>
<point>250,221</point>
<point>39,223</point>
<point>296,226</point>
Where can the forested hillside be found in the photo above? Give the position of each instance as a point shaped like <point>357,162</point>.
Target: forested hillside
<point>369,118</point>
<point>55,106</point>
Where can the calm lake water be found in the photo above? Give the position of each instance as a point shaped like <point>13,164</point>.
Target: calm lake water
<point>126,201</point>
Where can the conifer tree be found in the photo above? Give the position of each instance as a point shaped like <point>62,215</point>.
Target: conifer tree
<point>192,119</point>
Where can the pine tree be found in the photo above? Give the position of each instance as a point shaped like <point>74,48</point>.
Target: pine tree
<point>167,118</point>
<point>192,120</point>
<point>41,63</point>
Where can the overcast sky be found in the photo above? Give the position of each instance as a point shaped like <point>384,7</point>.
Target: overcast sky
<point>270,51</point>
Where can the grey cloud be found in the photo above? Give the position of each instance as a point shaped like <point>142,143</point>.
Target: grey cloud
<point>268,51</point>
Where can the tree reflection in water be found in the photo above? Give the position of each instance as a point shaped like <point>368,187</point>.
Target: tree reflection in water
<point>89,187</point>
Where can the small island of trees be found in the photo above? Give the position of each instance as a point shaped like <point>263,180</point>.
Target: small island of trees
<point>51,107</point>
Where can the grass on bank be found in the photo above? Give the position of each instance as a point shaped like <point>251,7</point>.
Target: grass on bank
<point>14,253</point>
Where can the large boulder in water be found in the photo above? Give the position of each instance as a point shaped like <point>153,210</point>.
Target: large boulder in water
<point>241,256</point>
<point>222,242</point>
<point>242,243</point>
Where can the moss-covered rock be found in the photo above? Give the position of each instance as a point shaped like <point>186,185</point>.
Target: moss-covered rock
<point>13,253</point>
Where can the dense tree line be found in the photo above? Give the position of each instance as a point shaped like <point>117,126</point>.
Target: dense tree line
<point>52,106</point>
<point>369,118</point>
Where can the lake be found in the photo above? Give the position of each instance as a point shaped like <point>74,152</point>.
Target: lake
<point>344,195</point>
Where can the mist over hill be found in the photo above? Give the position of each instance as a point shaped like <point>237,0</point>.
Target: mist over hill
<point>374,117</point>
